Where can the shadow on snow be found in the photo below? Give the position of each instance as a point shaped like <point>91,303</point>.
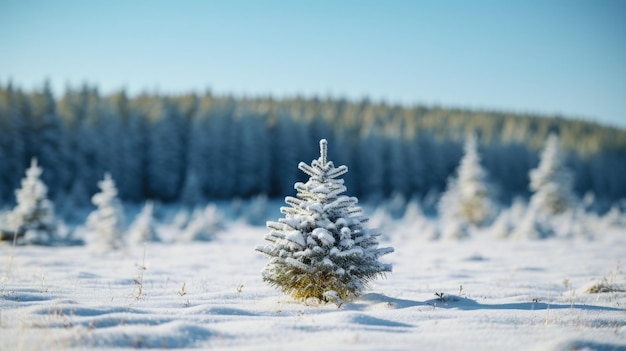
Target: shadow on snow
<point>462,303</point>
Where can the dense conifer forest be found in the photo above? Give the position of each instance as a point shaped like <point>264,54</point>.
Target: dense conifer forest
<point>211,146</point>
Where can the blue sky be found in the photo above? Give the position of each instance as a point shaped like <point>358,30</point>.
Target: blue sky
<point>561,56</point>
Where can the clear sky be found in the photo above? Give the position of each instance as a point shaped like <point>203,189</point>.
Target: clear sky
<point>557,56</point>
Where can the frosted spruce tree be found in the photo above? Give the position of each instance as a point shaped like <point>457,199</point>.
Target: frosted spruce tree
<point>322,249</point>
<point>551,182</point>
<point>33,216</point>
<point>468,197</point>
<point>107,220</point>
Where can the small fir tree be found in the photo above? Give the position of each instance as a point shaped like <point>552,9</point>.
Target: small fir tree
<point>143,230</point>
<point>33,216</point>
<point>181,219</point>
<point>108,218</point>
<point>501,227</point>
<point>468,197</point>
<point>551,182</point>
<point>204,224</point>
<point>533,225</point>
<point>615,217</point>
<point>322,249</point>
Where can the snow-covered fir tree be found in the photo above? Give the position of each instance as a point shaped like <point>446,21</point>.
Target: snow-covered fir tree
<point>533,225</point>
<point>615,217</point>
<point>468,197</point>
<point>415,221</point>
<point>108,219</point>
<point>33,216</point>
<point>551,182</point>
<point>204,224</point>
<point>322,248</point>
<point>181,219</point>
<point>501,227</point>
<point>143,229</point>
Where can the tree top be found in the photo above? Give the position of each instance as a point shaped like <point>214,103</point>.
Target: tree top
<point>323,151</point>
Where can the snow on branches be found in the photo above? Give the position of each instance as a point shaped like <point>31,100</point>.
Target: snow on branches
<point>551,182</point>
<point>107,220</point>
<point>32,219</point>
<point>322,249</point>
<point>468,198</point>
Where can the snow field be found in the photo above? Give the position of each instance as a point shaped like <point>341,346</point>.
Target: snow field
<point>493,295</point>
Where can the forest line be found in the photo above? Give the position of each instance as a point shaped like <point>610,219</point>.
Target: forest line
<point>195,147</point>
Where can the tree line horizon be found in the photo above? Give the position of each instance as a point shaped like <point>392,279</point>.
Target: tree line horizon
<point>199,147</point>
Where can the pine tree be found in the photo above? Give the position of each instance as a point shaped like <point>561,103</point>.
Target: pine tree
<point>468,197</point>
<point>107,220</point>
<point>321,249</point>
<point>33,216</point>
<point>551,182</point>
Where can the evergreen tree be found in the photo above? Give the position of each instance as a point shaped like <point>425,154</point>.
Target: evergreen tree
<point>398,171</point>
<point>287,138</point>
<point>253,159</point>
<point>33,216</point>
<point>54,153</point>
<point>90,145</point>
<point>468,197</point>
<point>191,194</point>
<point>143,230</point>
<point>204,224</point>
<point>220,148</point>
<point>415,221</point>
<point>199,153</point>
<point>321,248</point>
<point>166,153</point>
<point>147,145</point>
<point>46,138</point>
<point>124,134</point>
<point>12,140</point>
<point>370,150</point>
<point>108,218</point>
<point>74,204</point>
<point>533,225</point>
<point>78,195</point>
<point>551,182</point>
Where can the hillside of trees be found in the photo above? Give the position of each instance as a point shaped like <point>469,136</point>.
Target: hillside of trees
<point>199,147</point>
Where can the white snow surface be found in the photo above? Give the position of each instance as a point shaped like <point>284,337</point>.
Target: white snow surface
<point>493,295</point>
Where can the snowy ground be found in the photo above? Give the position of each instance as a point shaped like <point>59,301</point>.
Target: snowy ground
<point>494,295</point>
